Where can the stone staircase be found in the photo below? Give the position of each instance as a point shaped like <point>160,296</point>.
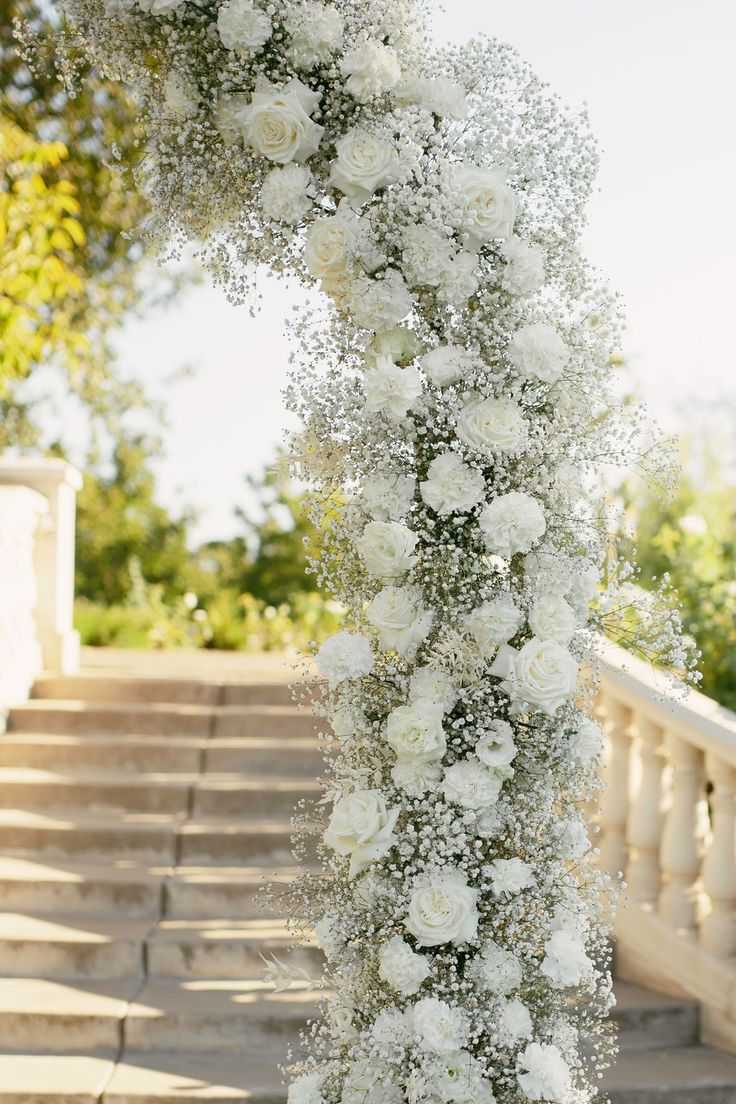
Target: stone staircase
<point>138,816</point>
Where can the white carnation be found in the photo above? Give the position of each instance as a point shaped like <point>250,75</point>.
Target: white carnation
<point>277,121</point>
<point>362,827</point>
<point>509,876</point>
<point>285,194</point>
<point>446,364</point>
<point>392,1028</point>
<point>565,963</point>
<point>386,548</point>
<point>440,1026</point>
<point>401,967</point>
<point>442,909</point>
<point>379,304</point>
<point>398,343</point>
<point>586,742</point>
<point>498,971</point>
<point>390,389</point>
<point>452,487</point>
<point>434,685</point>
<point>415,731</point>
<point>306,1089</point>
<point>425,255</point>
<point>471,784</point>
<point>439,95</point>
<point>365,163</point>
<point>416,776</point>
<point>242,26</point>
<point>316,32</point>
<point>345,656</point>
<point>460,279</point>
<point>538,352</point>
<point>552,618</point>
<point>544,1074</point>
<point>402,621</point>
<point>524,271</point>
<point>371,68</point>
<point>492,425</point>
<point>494,623</point>
<point>516,1022</point>
<point>388,497</point>
<point>512,523</point>
<point>496,747</point>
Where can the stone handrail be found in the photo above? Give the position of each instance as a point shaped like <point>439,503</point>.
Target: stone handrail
<point>668,824</point>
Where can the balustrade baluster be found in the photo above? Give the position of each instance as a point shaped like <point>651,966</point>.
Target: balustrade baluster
<point>680,850</point>
<point>644,827</point>
<point>615,799</point>
<point>718,929</point>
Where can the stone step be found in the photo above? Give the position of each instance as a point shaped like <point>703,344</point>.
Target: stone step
<point>57,752</point>
<point>117,886</point>
<point>229,841</point>
<point>285,721</point>
<point>146,838</point>
<point>176,1078</point>
<point>72,946</point>
<point>184,691</point>
<point>215,1016</point>
<point>649,1020</point>
<point>264,756</point>
<point>240,795</point>
<point>54,1078</point>
<point>48,1016</point>
<point>208,892</point>
<point>673,1075</point>
<point>111,718</point>
<point>225,949</point>
<point>151,792</point>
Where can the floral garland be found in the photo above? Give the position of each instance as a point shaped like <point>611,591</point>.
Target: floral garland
<point>454,398</point>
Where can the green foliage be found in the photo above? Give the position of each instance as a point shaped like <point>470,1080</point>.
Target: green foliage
<point>692,537</point>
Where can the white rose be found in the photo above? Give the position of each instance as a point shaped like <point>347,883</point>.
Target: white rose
<point>389,389</point>
<point>516,1022</point>
<point>362,827</point>
<point>401,620</point>
<point>512,523</point>
<point>345,656</point>
<point>509,876</point>
<point>459,280</point>
<point>276,123</point>
<point>538,352</point>
<point>440,1027</point>
<point>401,967</point>
<point>371,68</point>
<point>434,685</point>
<point>425,255</point>
<point>492,425</point>
<point>586,742</point>
<point>306,1089</point>
<point>365,162</point>
<point>471,784</point>
<point>378,304</point>
<point>488,206</point>
<point>439,95</point>
<point>415,731</point>
<point>388,497</point>
<point>446,364</point>
<point>544,1073</point>
<point>552,618</point>
<point>386,548</point>
<point>497,970</point>
<point>399,343</point>
<point>415,776</point>
<point>443,910</point>
<point>542,674</point>
<point>494,623</point>
<point>181,96</point>
<point>285,194</point>
<point>452,487</point>
<point>242,26</point>
<point>524,270</point>
<point>329,247</point>
<point>316,32</point>
<point>496,747</point>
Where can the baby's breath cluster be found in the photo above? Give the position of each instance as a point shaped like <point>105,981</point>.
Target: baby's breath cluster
<point>454,397</point>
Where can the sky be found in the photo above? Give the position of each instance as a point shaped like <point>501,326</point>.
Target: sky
<point>657,78</point>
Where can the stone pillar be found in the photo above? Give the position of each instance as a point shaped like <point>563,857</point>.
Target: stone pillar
<point>58,482</point>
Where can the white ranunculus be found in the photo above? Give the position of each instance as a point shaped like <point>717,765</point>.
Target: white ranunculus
<point>496,747</point>
<point>446,364</point>
<point>362,827</point>
<point>552,618</point>
<point>488,205</point>
<point>512,523</point>
<point>399,343</point>
<point>415,731</point>
<point>439,95</point>
<point>365,163</point>
<point>544,1074</point>
<point>243,27</point>
<point>497,970</point>
<point>471,784</point>
<point>379,304</point>
<point>542,673</point>
<point>494,623</point>
<point>442,909</point>
<point>509,876</point>
<point>416,776</point>
<point>402,621</point>
<point>371,68</point>
<point>434,685</point>
<point>516,1022</point>
<point>524,271</point>
<point>425,255</point>
<point>181,96</point>
<point>285,194</point>
<point>538,352</point>
<point>460,279</point>
<point>401,967</point>
<point>390,389</point>
<point>388,497</point>
<point>345,656</point>
<point>306,1089</point>
<point>492,425</point>
<point>276,123</point>
<point>439,1026</point>
<point>451,486</point>
<point>565,962</point>
<point>387,548</point>
<point>586,742</point>
<point>329,247</point>
<point>316,32</point>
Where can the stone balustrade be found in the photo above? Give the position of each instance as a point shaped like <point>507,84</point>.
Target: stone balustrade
<point>668,825</point>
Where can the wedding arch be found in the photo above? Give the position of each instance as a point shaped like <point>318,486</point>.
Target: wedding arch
<point>455,397</point>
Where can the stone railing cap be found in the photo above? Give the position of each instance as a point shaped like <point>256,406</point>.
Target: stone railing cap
<point>36,471</point>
